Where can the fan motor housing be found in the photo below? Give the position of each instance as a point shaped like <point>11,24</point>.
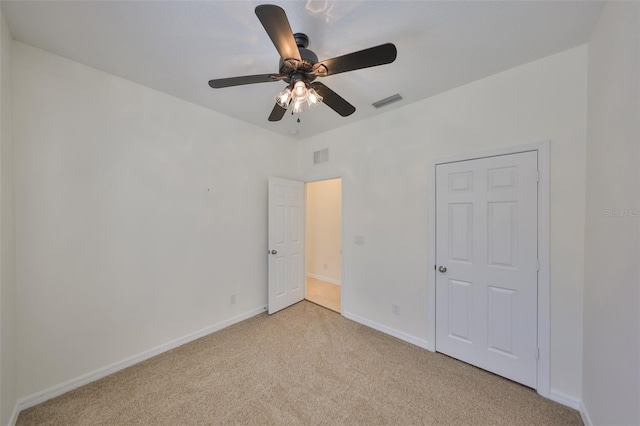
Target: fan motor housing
<point>309,59</point>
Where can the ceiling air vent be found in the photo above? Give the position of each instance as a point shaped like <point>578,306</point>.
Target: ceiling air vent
<point>386,101</point>
<point>321,156</point>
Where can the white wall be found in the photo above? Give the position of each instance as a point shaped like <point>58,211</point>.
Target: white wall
<point>611,371</point>
<point>384,164</point>
<point>7,244</point>
<point>138,215</point>
<point>323,238</point>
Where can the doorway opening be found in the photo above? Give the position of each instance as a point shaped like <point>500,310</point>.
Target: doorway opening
<point>323,243</point>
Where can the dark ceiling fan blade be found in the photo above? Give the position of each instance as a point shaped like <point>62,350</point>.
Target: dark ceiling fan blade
<point>374,56</point>
<point>246,79</point>
<point>275,22</point>
<point>333,100</point>
<point>277,113</point>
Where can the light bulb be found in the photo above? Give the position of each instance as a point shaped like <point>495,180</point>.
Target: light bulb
<point>299,89</point>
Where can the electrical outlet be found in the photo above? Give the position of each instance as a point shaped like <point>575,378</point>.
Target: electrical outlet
<point>233,299</point>
<point>359,239</point>
<point>395,309</point>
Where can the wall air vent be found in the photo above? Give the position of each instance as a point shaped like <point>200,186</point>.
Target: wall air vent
<point>386,101</point>
<point>321,156</point>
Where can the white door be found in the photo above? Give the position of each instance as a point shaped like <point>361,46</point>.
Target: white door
<point>486,253</point>
<point>286,243</point>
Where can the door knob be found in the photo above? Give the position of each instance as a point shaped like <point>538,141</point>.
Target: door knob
<point>274,252</point>
<point>442,269</point>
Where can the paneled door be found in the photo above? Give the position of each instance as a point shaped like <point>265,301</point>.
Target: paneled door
<point>487,263</point>
<point>286,243</point>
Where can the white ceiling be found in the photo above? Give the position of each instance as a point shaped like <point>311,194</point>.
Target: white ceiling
<point>177,46</point>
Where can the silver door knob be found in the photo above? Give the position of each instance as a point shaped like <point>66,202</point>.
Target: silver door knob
<point>442,269</point>
<point>274,252</point>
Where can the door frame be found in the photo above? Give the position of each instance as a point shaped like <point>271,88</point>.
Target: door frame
<point>542,149</point>
<point>319,178</point>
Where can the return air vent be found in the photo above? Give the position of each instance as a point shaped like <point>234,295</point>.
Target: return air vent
<point>321,156</point>
<point>386,101</point>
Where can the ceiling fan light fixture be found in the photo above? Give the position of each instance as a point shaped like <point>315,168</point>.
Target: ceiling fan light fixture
<point>300,94</point>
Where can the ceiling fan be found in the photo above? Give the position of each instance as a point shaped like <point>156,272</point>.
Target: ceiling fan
<point>299,67</point>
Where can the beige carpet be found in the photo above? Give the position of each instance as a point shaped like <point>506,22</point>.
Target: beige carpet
<point>304,365</point>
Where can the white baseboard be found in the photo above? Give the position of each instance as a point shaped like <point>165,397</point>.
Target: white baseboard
<point>585,415</point>
<point>387,330</point>
<point>564,399</point>
<point>325,279</point>
<point>14,415</point>
<point>92,376</point>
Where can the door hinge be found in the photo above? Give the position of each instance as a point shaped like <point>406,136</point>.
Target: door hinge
<point>538,176</point>
<point>537,264</point>
<point>537,353</point>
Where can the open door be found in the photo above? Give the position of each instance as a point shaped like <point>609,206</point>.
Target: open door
<point>286,243</point>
